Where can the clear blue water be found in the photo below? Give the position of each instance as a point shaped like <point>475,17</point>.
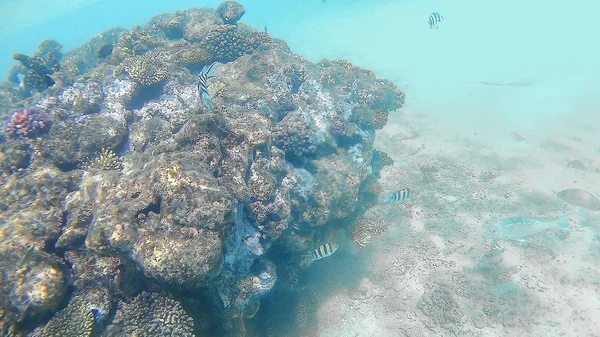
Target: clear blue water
<point>492,68</point>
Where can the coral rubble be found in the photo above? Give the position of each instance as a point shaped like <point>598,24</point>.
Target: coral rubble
<point>138,194</point>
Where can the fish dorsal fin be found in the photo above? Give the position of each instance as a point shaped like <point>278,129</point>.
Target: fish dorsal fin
<point>207,70</point>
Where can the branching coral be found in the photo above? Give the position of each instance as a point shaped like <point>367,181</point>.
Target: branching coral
<point>27,122</point>
<point>107,160</point>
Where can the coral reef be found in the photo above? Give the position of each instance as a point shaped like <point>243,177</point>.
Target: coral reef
<point>228,42</point>
<point>147,69</point>
<point>230,11</point>
<point>34,279</point>
<point>76,320</point>
<point>194,54</point>
<point>14,155</point>
<point>38,69</point>
<point>27,123</point>
<point>137,191</point>
<point>107,160</point>
<point>151,315</point>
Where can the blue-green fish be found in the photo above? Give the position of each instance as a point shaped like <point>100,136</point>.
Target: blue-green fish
<point>205,75</point>
<point>521,228</point>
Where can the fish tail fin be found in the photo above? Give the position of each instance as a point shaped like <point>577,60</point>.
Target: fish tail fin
<point>306,260</point>
<point>563,222</point>
<point>388,198</point>
<point>307,257</point>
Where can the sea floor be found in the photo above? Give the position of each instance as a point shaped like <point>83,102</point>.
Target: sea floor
<point>433,274</point>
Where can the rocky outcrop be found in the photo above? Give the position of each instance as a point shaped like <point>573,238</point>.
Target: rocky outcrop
<point>151,192</point>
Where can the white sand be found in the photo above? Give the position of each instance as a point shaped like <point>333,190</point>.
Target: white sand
<point>549,288</point>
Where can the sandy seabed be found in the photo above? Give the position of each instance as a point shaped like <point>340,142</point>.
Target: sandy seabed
<point>433,274</point>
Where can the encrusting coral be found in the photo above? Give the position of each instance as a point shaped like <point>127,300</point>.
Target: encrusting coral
<point>151,315</point>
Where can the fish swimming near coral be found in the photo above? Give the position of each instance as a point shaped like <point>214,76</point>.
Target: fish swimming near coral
<point>205,75</point>
<point>521,228</point>
<point>401,195</point>
<point>434,20</point>
<point>579,198</point>
<point>322,251</point>
<point>105,51</point>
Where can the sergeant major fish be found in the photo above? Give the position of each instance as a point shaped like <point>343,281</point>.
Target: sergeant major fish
<point>400,195</point>
<point>434,20</point>
<point>521,228</point>
<point>322,251</point>
<point>205,75</point>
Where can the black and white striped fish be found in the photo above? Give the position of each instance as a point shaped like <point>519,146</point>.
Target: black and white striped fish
<point>434,20</point>
<point>205,75</point>
<point>400,195</point>
<point>323,251</point>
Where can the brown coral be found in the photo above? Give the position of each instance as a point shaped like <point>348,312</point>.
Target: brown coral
<point>230,11</point>
<point>107,160</point>
<point>194,54</point>
<point>152,315</point>
<point>147,69</point>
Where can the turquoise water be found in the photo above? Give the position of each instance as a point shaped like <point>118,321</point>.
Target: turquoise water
<point>550,45</point>
<point>502,111</point>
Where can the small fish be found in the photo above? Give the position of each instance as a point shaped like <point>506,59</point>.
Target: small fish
<point>400,195</point>
<point>580,198</point>
<point>520,228</point>
<point>25,257</point>
<point>105,51</point>
<point>322,251</point>
<point>519,137</point>
<point>434,20</point>
<point>205,75</point>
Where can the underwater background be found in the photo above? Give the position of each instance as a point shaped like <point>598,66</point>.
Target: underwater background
<point>133,206</point>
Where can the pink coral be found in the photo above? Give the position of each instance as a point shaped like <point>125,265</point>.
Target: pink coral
<point>27,123</point>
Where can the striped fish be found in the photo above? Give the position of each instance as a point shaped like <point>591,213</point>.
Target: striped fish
<point>205,75</point>
<point>434,20</point>
<point>400,195</point>
<point>323,251</point>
